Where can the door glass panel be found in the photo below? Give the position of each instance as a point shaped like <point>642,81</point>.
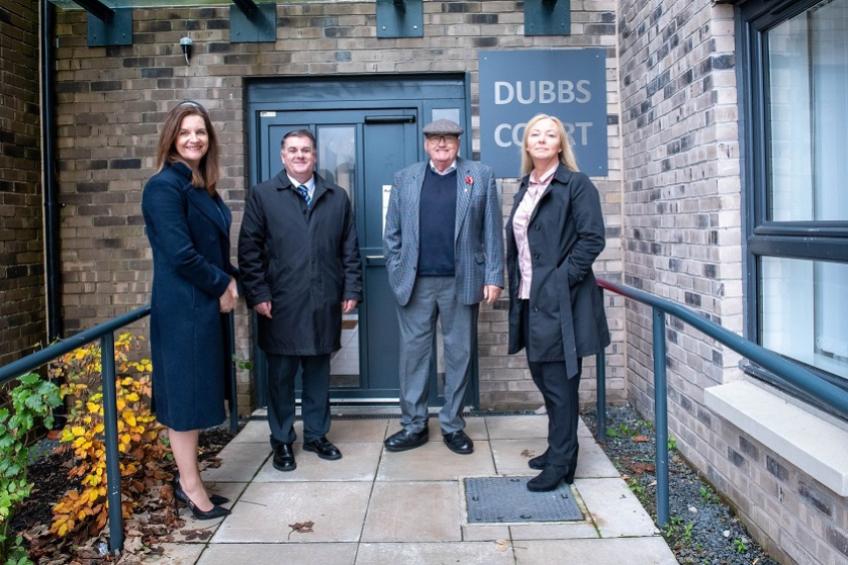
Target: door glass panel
<point>337,156</point>
<point>451,114</point>
<point>808,117</point>
<point>337,164</point>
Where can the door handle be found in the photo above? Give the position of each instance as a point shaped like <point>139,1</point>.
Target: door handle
<point>375,257</point>
<point>389,119</point>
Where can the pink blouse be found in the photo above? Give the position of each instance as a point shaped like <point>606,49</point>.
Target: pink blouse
<point>521,220</point>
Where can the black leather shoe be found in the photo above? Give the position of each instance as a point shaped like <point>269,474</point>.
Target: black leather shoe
<point>549,479</point>
<point>215,512</point>
<point>459,442</point>
<point>323,448</point>
<point>539,461</point>
<point>403,440</point>
<point>284,457</point>
<point>179,493</point>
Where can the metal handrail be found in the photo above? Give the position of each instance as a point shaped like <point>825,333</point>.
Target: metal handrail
<point>105,332</point>
<point>784,369</point>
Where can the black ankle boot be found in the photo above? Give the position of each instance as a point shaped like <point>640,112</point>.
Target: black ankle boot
<point>549,479</point>
<point>539,461</point>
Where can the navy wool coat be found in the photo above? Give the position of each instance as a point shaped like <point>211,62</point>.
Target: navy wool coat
<point>305,261</point>
<point>565,235</point>
<point>188,231</point>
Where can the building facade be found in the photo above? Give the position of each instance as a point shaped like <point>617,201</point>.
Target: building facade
<point>720,192</point>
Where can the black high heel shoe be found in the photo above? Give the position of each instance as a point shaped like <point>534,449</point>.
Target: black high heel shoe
<point>216,511</point>
<point>215,499</point>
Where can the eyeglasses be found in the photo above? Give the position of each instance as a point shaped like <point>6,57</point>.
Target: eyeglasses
<point>443,138</point>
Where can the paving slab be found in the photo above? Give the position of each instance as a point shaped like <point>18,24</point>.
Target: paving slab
<point>255,431</point>
<point>277,553</point>
<point>592,462</point>
<point>354,429</point>
<point>433,461</point>
<point>614,508</point>
<point>464,553</point>
<point>239,462</point>
<point>175,554</point>
<point>265,511</point>
<point>632,551</point>
<point>358,463</point>
<point>512,455</point>
<point>414,511</point>
<point>574,530</point>
<point>485,532</point>
<point>517,427</point>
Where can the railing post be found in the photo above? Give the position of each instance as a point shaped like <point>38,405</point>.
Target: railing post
<point>660,416</point>
<point>601,395</point>
<point>231,368</point>
<point>110,424</point>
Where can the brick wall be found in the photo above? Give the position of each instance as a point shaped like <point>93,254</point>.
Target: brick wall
<point>21,254</point>
<point>111,101</point>
<point>682,239</point>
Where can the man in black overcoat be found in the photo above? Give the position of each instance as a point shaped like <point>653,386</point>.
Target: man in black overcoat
<point>299,259</point>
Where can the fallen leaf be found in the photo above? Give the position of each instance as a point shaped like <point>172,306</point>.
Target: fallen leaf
<point>527,453</point>
<point>501,545</point>
<point>640,468</point>
<point>640,439</point>
<point>301,527</point>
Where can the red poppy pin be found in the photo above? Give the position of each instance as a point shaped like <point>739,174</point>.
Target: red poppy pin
<point>469,180</point>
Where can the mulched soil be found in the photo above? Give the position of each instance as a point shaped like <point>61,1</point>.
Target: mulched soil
<point>702,527</point>
<point>153,522</point>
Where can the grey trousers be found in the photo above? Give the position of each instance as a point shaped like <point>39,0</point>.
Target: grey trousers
<point>434,298</point>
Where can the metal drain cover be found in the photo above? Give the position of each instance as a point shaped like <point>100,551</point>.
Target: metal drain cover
<point>506,499</point>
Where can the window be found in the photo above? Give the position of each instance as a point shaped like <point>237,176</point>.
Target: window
<point>793,73</point>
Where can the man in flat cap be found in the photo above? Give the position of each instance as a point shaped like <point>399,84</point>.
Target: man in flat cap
<point>444,254</point>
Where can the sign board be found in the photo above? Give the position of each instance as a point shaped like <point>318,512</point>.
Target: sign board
<point>567,83</point>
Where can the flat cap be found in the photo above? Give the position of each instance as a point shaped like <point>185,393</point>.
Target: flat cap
<point>443,127</point>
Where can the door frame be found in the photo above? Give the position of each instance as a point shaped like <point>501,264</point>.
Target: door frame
<point>348,92</point>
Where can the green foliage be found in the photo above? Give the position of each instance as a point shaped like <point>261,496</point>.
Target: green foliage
<point>33,400</point>
<point>739,545</point>
<point>636,487</point>
<point>672,443</point>
<point>707,494</point>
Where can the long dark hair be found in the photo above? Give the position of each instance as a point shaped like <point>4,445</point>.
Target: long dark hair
<point>207,174</point>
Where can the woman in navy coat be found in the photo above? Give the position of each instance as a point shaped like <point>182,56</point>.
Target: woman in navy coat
<point>188,226</point>
<point>556,311</point>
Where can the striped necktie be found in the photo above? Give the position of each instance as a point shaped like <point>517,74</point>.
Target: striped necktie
<point>304,193</point>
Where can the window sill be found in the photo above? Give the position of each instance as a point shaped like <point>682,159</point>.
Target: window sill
<point>811,443</point>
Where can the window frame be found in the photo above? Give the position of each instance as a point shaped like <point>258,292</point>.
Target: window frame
<point>810,240</point>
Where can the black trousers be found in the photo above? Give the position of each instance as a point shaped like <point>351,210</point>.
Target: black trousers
<point>562,403</point>
<point>315,401</point>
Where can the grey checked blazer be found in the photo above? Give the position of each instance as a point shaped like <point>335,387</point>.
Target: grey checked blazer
<point>478,233</point>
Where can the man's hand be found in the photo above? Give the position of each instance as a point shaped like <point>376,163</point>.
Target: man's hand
<point>491,293</point>
<point>263,309</point>
<point>228,300</point>
<point>349,306</point>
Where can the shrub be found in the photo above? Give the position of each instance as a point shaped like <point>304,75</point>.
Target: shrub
<point>33,401</point>
<point>84,509</point>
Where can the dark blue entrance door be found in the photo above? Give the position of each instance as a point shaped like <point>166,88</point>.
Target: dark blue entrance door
<point>365,130</point>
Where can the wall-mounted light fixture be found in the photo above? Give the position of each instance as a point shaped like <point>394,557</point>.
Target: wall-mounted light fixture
<point>185,45</point>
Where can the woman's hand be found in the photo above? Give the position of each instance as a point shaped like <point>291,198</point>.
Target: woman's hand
<point>228,300</point>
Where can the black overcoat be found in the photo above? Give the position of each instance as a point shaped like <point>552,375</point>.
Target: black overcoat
<point>188,231</point>
<point>304,261</point>
<point>565,235</point>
